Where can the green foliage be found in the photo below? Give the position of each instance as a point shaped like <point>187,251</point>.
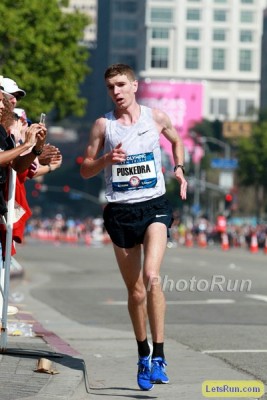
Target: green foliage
<point>209,128</point>
<point>252,157</point>
<point>39,49</point>
<point>203,128</point>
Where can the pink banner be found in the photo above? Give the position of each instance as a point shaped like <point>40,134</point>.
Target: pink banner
<point>181,101</point>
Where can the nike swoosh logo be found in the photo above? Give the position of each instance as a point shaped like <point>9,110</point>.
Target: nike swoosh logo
<point>142,133</point>
<point>161,215</point>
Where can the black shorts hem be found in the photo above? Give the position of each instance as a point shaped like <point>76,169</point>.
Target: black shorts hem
<point>126,224</point>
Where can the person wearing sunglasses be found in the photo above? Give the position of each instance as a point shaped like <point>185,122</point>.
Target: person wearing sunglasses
<point>14,91</point>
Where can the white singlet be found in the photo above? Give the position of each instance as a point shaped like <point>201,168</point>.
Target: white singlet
<point>140,177</point>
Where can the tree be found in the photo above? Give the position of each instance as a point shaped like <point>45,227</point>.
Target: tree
<point>40,50</point>
<point>252,156</point>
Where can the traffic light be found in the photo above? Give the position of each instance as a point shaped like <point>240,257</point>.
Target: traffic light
<point>38,186</point>
<point>228,199</point>
<point>66,188</point>
<point>79,160</point>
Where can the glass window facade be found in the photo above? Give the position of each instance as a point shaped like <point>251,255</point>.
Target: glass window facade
<point>246,16</point>
<point>220,15</point>
<point>125,6</point>
<point>192,34</point>
<point>218,59</point>
<point>161,15</point>
<point>218,106</point>
<point>193,15</point>
<point>245,107</point>
<point>219,35</point>
<point>192,58</point>
<point>128,42</point>
<point>120,24</point>
<point>245,60</point>
<point>246,36</point>
<point>159,57</point>
<point>160,33</point>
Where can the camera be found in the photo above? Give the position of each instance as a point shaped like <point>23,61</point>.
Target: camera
<point>42,118</point>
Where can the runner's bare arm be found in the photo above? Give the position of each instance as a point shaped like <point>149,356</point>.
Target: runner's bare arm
<point>167,129</point>
<point>92,164</point>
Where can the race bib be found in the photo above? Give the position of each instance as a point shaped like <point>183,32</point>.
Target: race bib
<point>137,172</point>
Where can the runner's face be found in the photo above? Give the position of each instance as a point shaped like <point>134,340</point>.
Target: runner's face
<point>121,90</point>
<point>1,104</point>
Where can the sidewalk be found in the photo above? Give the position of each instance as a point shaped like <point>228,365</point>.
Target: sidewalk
<point>109,356</point>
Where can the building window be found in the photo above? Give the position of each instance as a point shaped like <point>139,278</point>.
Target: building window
<point>159,57</point>
<point>245,107</point>
<point>192,58</point>
<point>128,42</point>
<point>124,59</point>
<point>246,17</point>
<point>219,15</point>
<point>218,107</point>
<point>129,25</point>
<point>219,35</point>
<point>161,15</point>
<point>246,36</point>
<point>245,60</point>
<point>160,33</point>
<point>192,34</point>
<point>218,59</point>
<point>193,15</point>
<point>125,6</point>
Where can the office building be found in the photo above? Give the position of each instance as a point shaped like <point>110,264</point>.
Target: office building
<point>263,93</point>
<point>213,42</point>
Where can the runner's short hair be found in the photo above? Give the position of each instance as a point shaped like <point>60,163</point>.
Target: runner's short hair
<point>120,69</point>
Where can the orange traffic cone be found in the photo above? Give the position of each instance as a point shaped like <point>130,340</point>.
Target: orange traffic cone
<point>202,240</point>
<point>87,239</point>
<point>225,242</point>
<point>265,246</point>
<point>254,244</point>
<point>189,239</point>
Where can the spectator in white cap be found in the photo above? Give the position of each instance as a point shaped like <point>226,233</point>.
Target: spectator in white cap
<point>52,157</point>
<point>11,87</point>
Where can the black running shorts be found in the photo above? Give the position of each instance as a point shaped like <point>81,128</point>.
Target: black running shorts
<point>126,224</point>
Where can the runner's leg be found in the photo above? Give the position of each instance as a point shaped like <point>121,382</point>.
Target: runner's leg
<point>129,261</point>
<point>155,242</point>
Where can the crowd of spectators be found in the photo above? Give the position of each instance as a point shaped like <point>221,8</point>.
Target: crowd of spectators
<point>91,231</point>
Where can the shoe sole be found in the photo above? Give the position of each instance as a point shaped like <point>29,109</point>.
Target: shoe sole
<point>146,390</point>
<point>158,382</point>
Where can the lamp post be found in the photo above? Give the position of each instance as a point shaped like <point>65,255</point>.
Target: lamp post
<point>226,146</point>
<point>227,155</point>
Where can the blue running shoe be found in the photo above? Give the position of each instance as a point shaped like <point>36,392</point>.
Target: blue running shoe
<point>143,374</point>
<point>158,372</point>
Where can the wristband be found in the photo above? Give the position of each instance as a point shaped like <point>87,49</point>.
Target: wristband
<point>178,166</point>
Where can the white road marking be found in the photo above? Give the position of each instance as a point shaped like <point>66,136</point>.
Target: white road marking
<point>175,302</point>
<point>259,297</point>
<point>234,351</point>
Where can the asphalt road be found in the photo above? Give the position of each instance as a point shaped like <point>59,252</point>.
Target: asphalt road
<point>216,300</point>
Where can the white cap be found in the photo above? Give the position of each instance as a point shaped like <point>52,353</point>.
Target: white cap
<point>11,87</point>
<point>20,112</point>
